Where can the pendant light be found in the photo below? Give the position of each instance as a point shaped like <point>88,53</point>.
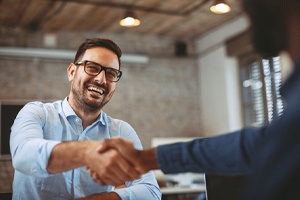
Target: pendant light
<point>220,7</point>
<point>130,20</point>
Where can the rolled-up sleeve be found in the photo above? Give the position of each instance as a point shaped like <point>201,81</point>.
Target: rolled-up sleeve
<point>30,151</point>
<point>144,188</point>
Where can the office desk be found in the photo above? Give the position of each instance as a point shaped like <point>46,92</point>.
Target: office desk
<point>182,193</point>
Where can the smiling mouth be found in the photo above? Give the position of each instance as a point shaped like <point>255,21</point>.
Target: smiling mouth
<point>95,89</point>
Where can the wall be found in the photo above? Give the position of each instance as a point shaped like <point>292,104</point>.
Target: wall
<point>159,99</point>
<point>167,97</point>
<point>219,85</point>
<point>220,105</point>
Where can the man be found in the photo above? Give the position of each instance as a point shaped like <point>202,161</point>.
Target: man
<point>53,143</point>
<point>270,154</point>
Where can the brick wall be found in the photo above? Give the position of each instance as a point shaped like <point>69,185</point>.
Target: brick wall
<point>159,99</point>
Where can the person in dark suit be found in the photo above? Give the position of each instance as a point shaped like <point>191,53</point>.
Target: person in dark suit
<point>269,155</point>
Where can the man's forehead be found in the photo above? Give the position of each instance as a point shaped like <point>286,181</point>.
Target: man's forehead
<point>102,56</point>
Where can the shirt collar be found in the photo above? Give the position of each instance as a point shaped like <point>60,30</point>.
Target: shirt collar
<point>68,111</point>
<point>67,108</point>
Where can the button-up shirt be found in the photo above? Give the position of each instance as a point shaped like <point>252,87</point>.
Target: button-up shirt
<point>39,127</point>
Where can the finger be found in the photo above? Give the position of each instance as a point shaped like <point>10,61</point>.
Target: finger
<point>110,178</point>
<point>120,171</point>
<point>116,143</point>
<point>109,143</point>
<point>123,146</point>
<point>111,172</point>
<point>127,171</point>
<point>97,179</point>
<point>114,169</point>
<point>90,171</point>
<point>101,148</point>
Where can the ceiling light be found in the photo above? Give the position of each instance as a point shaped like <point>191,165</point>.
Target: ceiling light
<point>130,20</point>
<point>220,7</point>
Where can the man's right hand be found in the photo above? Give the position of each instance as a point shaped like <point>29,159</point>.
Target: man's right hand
<point>143,160</point>
<point>109,167</point>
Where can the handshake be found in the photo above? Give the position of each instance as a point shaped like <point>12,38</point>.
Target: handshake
<point>116,161</point>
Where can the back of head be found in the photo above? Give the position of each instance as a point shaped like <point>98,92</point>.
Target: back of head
<point>282,7</point>
<point>98,42</point>
<point>269,23</point>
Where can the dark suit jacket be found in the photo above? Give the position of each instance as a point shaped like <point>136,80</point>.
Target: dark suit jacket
<point>276,173</point>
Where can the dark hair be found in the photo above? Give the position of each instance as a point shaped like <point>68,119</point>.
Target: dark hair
<point>269,25</point>
<point>272,7</point>
<point>98,42</point>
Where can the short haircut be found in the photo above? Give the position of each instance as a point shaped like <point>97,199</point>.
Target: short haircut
<point>98,42</point>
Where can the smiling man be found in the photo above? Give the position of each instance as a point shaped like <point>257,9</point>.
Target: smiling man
<point>52,144</point>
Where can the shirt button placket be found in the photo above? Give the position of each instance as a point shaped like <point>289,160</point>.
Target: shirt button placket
<point>79,126</point>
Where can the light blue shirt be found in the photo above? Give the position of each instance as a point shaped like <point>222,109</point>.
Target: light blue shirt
<point>38,128</point>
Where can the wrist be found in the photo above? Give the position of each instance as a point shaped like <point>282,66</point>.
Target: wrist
<point>147,160</point>
<point>90,150</point>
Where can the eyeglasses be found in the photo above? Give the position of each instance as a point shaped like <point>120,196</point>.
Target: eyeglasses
<point>94,69</point>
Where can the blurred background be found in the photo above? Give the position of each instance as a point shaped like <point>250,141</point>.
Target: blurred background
<point>187,71</point>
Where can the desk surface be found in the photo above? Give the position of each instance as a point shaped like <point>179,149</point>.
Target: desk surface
<point>180,190</point>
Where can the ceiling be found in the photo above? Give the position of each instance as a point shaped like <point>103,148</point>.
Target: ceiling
<point>184,19</point>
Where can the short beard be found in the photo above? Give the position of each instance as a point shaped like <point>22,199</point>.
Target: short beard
<point>85,104</point>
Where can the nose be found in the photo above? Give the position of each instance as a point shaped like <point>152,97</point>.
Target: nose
<point>101,77</point>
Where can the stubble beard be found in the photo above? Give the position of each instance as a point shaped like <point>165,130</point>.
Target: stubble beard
<point>84,102</point>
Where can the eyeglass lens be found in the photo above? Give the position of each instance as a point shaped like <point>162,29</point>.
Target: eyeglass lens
<point>94,69</point>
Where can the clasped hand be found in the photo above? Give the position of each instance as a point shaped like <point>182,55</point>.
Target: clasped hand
<point>115,161</point>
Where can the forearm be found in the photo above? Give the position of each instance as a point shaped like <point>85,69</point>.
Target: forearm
<point>147,160</point>
<point>227,154</point>
<point>30,157</point>
<point>103,196</point>
<point>69,155</point>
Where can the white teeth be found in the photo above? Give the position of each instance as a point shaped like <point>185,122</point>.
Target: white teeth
<point>100,91</point>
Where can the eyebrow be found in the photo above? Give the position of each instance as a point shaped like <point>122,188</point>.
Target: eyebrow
<point>103,65</point>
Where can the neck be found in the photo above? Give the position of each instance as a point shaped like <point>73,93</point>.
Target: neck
<point>86,115</point>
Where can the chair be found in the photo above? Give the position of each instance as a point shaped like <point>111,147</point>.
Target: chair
<point>220,187</point>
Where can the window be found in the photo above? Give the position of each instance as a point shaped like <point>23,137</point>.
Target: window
<point>260,81</point>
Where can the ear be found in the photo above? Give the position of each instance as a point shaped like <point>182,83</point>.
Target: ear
<point>71,71</point>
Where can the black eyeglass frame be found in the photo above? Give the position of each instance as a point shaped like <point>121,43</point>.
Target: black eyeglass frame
<point>84,62</point>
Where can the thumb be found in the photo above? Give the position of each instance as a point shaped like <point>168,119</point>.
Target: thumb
<point>123,146</point>
<point>102,147</point>
<point>107,144</point>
